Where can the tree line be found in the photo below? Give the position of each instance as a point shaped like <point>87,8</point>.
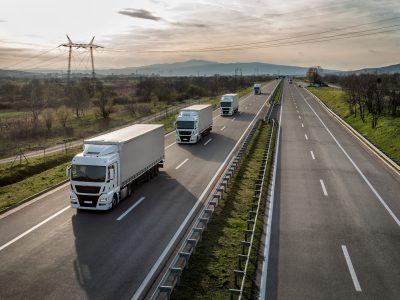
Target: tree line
<point>373,94</point>
<point>47,102</point>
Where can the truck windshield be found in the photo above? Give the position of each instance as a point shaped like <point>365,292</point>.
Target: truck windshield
<point>88,173</point>
<point>226,104</point>
<point>184,124</point>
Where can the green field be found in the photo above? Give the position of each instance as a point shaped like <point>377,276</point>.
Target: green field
<point>210,272</point>
<point>386,136</point>
<point>12,114</point>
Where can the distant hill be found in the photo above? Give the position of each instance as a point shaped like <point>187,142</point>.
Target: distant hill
<point>208,68</point>
<point>381,70</point>
<point>199,68</point>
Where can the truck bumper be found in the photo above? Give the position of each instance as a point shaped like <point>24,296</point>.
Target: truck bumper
<point>89,202</point>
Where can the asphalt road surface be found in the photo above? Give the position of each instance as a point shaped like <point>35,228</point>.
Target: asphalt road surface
<point>51,251</point>
<point>335,226</point>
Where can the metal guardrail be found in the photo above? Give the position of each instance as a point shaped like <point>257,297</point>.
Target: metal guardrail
<point>247,243</point>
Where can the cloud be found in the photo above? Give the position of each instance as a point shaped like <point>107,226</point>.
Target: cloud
<point>139,13</point>
<point>183,24</point>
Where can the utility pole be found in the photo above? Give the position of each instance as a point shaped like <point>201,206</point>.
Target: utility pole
<point>89,46</point>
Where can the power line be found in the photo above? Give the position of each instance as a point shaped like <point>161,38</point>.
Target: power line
<point>246,45</point>
<point>30,58</point>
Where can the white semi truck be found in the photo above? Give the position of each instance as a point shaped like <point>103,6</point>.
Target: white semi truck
<point>229,104</point>
<point>257,89</point>
<point>111,164</point>
<point>193,123</point>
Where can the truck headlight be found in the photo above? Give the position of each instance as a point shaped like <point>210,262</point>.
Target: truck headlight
<point>73,198</point>
<point>103,199</point>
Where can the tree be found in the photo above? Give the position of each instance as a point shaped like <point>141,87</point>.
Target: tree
<point>313,75</point>
<point>36,100</point>
<point>48,117</point>
<point>63,115</point>
<point>78,98</point>
<point>105,103</point>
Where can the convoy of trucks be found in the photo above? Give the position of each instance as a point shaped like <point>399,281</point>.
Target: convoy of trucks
<point>193,123</point>
<point>257,89</point>
<point>229,104</point>
<point>111,164</point>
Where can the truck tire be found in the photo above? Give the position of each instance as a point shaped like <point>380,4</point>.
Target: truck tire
<point>114,201</point>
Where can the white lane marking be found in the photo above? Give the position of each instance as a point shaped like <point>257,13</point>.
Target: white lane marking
<point>323,187</point>
<point>264,272</point>
<point>312,154</point>
<point>170,145</point>
<point>223,128</point>
<point>209,140</point>
<point>246,107</point>
<point>351,269</point>
<point>297,111</point>
<point>302,125</point>
<point>299,117</point>
<point>183,225</point>
<point>34,227</point>
<point>181,164</point>
<point>296,106</point>
<point>233,119</point>
<point>130,209</point>
<point>391,213</point>
<point>305,135</point>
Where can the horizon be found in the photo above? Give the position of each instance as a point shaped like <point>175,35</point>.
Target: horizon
<point>346,35</point>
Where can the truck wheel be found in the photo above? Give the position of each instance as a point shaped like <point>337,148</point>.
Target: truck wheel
<point>114,202</point>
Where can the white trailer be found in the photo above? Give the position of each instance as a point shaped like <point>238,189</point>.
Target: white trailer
<point>111,164</point>
<point>193,123</point>
<point>229,104</point>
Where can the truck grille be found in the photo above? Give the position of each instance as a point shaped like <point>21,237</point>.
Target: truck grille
<point>87,189</point>
<point>181,132</point>
<point>225,111</point>
<point>88,201</point>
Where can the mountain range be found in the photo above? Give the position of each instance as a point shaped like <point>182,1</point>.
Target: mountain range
<point>202,68</point>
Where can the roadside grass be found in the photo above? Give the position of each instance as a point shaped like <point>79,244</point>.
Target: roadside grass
<point>386,136</point>
<point>14,193</point>
<point>11,173</point>
<point>210,273</point>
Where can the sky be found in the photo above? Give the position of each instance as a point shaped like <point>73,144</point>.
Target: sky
<point>340,34</point>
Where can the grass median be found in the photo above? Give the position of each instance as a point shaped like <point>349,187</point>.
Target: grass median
<point>386,136</point>
<point>210,273</point>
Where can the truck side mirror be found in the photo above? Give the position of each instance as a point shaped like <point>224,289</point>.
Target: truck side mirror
<point>68,171</point>
<point>112,174</point>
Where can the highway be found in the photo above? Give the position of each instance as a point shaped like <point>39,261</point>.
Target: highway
<point>51,251</point>
<point>335,225</point>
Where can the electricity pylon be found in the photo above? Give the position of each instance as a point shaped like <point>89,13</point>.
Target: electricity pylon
<point>89,46</point>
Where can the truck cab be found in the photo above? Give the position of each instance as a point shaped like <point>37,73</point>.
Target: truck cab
<point>187,127</point>
<point>94,178</point>
<point>193,123</point>
<point>229,104</point>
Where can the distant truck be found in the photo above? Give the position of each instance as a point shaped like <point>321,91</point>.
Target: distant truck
<point>111,164</point>
<point>257,89</point>
<point>193,123</point>
<point>229,104</point>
